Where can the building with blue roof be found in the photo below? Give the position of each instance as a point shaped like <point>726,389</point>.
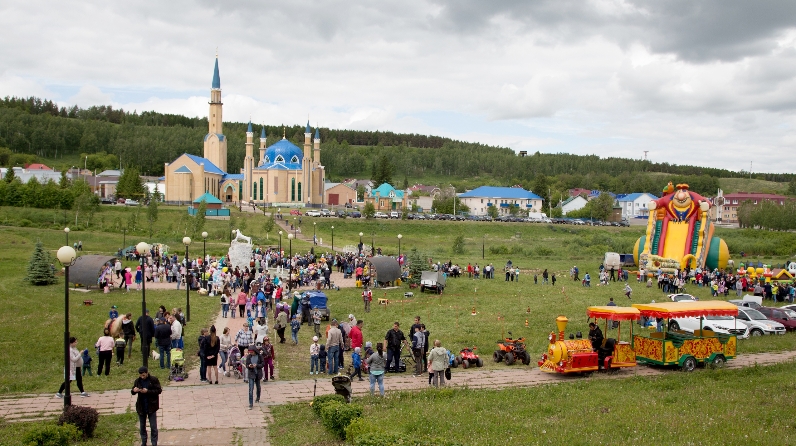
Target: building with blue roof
<point>386,198</point>
<point>479,200</point>
<point>635,205</point>
<point>283,174</point>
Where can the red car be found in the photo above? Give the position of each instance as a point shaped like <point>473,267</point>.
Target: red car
<point>779,315</point>
<point>295,212</point>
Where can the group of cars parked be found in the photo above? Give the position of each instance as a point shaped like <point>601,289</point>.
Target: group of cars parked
<point>753,319</point>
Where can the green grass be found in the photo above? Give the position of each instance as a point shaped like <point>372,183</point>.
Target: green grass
<point>112,430</point>
<point>731,185</point>
<point>733,407</point>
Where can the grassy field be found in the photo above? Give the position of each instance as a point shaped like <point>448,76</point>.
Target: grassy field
<point>112,430</point>
<point>707,407</point>
<point>731,185</point>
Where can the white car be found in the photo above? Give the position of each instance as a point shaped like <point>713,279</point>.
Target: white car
<point>326,213</point>
<point>395,214</point>
<point>380,215</point>
<point>313,213</point>
<point>758,323</point>
<point>718,324</point>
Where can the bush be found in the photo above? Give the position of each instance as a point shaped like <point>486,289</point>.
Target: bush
<point>382,438</point>
<point>498,249</point>
<point>336,416</point>
<point>319,401</point>
<point>51,435</point>
<point>458,244</point>
<point>361,427</point>
<point>543,251</point>
<point>85,418</point>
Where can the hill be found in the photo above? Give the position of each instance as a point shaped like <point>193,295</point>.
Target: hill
<point>38,130</point>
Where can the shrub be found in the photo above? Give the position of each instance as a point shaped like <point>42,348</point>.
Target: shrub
<point>498,249</point>
<point>51,435</point>
<point>85,418</point>
<point>458,244</point>
<point>382,438</point>
<point>543,251</point>
<point>336,416</point>
<point>319,401</point>
<point>360,427</point>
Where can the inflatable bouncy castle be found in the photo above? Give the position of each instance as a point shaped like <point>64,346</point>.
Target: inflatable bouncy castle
<point>680,234</point>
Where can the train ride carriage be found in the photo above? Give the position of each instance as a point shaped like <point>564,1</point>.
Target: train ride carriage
<point>580,355</point>
<point>682,348</point>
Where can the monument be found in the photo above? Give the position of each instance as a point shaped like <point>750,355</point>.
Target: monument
<point>240,251</point>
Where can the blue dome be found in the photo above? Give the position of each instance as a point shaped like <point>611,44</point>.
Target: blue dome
<point>282,154</point>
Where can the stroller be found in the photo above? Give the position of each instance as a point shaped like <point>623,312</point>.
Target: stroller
<point>234,364</point>
<point>177,371</point>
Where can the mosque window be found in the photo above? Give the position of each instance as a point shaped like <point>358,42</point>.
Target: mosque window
<point>294,159</point>
<point>254,195</point>
<point>267,160</point>
<point>299,191</point>
<point>292,189</point>
<point>261,188</point>
<point>279,159</point>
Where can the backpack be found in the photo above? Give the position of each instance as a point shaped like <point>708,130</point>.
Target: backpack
<point>223,298</point>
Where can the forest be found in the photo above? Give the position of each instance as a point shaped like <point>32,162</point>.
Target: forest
<point>39,127</point>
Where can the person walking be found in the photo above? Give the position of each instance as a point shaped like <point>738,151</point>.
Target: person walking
<point>377,363</point>
<point>203,348</point>
<point>225,343</point>
<point>253,363</point>
<point>163,340</point>
<point>211,354</point>
<point>367,298</point>
<point>75,369</point>
<point>394,339</point>
<point>418,341</point>
<point>334,342</point>
<point>147,388</point>
<point>244,341</point>
<point>438,358</point>
<point>128,329</point>
<point>145,325</point>
<point>105,345</point>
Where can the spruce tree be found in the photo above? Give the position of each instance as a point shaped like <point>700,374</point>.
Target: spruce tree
<point>40,271</point>
<point>415,264</point>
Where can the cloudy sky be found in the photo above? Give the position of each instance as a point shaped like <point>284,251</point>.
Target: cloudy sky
<point>710,82</point>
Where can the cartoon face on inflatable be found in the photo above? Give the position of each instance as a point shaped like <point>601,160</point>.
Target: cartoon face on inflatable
<point>682,199</point>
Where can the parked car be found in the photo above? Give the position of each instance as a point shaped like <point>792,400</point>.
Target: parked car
<point>340,213</point>
<point>313,213</point>
<point>326,213</point>
<point>395,214</point>
<point>295,212</point>
<point>348,205</point>
<point>355,214</point>
<point>130,202</point>
<point>107,200</point>
<point>380,215</point>
<point>758,323</point>
<point>745,303</point>
<point>682,297</point>
<point>779,315</point>
<point>718,324</point>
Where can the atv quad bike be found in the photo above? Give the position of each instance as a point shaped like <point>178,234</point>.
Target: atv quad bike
<point>467,358</point>
<point>511,350</point>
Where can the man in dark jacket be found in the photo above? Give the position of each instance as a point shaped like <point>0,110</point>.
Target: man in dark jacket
<point>163,338</point>
<point>253,362</point>
<point>148,389</point>
<point>145,327</point>
<point>394,339</point>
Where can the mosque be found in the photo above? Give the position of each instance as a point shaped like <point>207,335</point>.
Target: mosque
<point>283,175</point>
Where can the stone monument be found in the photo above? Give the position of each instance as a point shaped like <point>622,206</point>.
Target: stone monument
<point>240,251</point>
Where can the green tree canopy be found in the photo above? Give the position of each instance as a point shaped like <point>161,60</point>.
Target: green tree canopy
<point>130,185</point>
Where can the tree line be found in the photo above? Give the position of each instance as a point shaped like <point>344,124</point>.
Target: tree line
<point>767,215</point>
<point>37,127</point>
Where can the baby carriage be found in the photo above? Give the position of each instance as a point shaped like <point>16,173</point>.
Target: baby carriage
<point>177,371</point>
<point>234,364</point>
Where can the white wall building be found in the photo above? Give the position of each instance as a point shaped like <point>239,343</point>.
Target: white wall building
<point>481,199</point>
<point>635,205</point>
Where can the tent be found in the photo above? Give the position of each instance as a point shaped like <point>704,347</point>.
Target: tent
<point>87,269</point>
<point>387,268</point>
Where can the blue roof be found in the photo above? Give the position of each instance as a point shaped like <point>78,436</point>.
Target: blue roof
<point>500,192</point>
<point>233,176</point>
<point>220,136</point>
<point>249,130</point>
<point>262,133</point>
<point>216,77</point>
<point>208,198</point>
<point>634,196</point>
<point>209,166</point>
<point>308,129</point>
<point>317,133</point>
<point>384,191</point>
<point>285,149</point>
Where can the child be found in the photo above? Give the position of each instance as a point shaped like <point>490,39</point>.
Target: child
<point>356,361</point>
<point>233,308</point>
<point>295,325</point>
<point>87,363</point>
<point>114,313</point>
<point>322,357</point>
<point>553,279</point>
<point>314,351</point>
<point>316,321</point>
<point>121,344</point>
<point>628,290</point>
<point>535,279</point>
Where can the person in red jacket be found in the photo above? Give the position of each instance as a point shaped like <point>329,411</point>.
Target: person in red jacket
<point>356,335</point>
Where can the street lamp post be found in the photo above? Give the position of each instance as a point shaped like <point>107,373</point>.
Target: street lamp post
<point>483,247</point>
<point>280,242</point>
<point>295,226</point>
<point>187,241</point>
<point>332,238</point>
<point>204,259</point>
<point>66,231</point>
<point>66,255</point>
<point>142,248</point>
<point>399,245</point>
<point>290,238</point>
